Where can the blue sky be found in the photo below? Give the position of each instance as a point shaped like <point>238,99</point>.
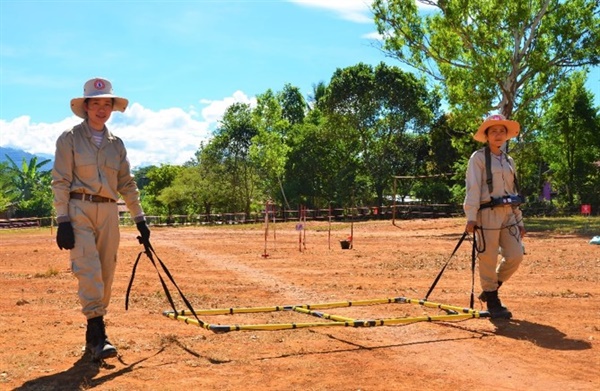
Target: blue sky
<point>180,63</point>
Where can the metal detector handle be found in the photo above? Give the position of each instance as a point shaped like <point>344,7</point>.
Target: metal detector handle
<point>447,262</point>
<point>150,253</point>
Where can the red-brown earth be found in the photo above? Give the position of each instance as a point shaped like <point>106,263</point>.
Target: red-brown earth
<point>552,342</point>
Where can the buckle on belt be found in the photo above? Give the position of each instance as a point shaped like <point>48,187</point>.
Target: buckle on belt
<point>88,197</point>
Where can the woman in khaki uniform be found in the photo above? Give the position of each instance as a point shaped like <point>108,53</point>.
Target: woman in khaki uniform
<point>90,172</point>
<point>492,209</point>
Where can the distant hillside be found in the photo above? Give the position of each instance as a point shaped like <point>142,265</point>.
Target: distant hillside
<point>18,155</point>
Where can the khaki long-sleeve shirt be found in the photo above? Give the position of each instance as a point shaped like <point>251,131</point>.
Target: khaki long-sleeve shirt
<point>81,166</point>
<point>503,180</point>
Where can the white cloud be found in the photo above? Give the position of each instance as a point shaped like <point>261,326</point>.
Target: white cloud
<point>353,10</point>
<point>358,11</point>
<point>374,36</point>
<point>169,136</point>
<point>20,133</point>
<point>215,108</point>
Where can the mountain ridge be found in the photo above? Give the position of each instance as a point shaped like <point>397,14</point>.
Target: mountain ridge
<point>17,156</point>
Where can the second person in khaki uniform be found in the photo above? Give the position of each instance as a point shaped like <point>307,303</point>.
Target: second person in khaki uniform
<point>492,208</point>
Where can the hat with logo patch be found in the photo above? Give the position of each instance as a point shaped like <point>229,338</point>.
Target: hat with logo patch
<point>97,88</point>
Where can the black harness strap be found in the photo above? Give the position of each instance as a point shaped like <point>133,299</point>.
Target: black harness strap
<point>473,259</point>
<point>488,171</point>
<point>149,250</point>
<point>447,262</point>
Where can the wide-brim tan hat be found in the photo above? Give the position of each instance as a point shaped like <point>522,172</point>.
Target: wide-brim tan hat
<point>512,127</point>
<point>97,88</point>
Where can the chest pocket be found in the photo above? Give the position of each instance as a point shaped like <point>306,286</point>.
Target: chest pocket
<point>112,164</point>
<point>86,168</point>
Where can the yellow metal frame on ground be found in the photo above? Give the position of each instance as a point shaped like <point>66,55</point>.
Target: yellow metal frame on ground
<point>453,313</point>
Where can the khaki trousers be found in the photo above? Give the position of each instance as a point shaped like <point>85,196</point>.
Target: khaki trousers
<point>94,257</point>
<point>499,231</point>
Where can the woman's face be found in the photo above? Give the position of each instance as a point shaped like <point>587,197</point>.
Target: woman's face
<point>496,135</point>
<point>98,111</point>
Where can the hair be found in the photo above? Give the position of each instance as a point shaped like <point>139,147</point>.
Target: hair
<point>112,100</point>
<point>488,128</point>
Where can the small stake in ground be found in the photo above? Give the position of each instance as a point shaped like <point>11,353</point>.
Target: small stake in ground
<point>265,253</point>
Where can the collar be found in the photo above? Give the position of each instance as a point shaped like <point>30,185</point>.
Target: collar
<point>88,131</point>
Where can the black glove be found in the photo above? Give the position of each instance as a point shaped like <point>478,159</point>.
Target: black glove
<point>65,238</point>
<point>144,237</point>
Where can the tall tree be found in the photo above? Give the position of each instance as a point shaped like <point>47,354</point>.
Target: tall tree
<point>273,117</point>
<point>231,144</point>
<point>158,179</point>
<point>318,92</point>
<point>293,105</point>
<point>570,142</point>
<point>375,107</point>
<point>486,53</point>
<point>212,187</point>
<point>321,167</point>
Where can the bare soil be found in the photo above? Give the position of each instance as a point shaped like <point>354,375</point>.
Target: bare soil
<point>552,342</point>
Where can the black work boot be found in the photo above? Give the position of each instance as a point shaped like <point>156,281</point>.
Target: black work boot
<point>495,307</point>
<point>96,341</point>
<point>89,346</point>
<point>482,296</point>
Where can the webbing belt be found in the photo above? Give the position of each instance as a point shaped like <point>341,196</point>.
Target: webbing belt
<point>148,250</point>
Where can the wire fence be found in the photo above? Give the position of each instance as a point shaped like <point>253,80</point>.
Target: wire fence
<point>274,214</point>
<point>403,211</point>
<point>290,215</point>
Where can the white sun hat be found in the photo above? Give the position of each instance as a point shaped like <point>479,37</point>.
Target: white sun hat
<point>97,88</point>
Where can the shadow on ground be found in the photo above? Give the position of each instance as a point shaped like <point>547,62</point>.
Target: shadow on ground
<point>79,377</point>
<point>540,335</point>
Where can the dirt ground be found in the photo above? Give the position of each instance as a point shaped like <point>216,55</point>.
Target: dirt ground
<point>552,342</point>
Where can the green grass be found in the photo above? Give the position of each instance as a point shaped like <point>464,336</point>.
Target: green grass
<point>564,225</point>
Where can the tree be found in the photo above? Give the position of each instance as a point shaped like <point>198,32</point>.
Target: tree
<point>196,190</point>
<point>31,189</point>
<point>448,158</point>
<point>321,168</point>
<point>570,142</point>
<point>318,92</point>
<point>158,179</point>
<point>141,176</point>
<point>27,177</point>
<point>231,145</point>
<point>487,53</point>
<point>374,109</point>
<point>293,105</point>
<point>269,149</point>
<point>39,204</point>
<point>442,154</point>
<point>8,192</point>
<point>212,187</point>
